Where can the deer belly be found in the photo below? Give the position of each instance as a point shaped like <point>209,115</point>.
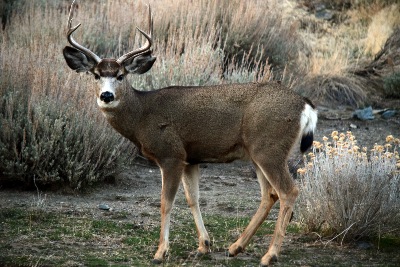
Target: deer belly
<point>214,154</point>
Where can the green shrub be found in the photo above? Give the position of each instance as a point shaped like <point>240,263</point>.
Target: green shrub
<point>391,85</point>
<point>348,191</point>
<point>51,146</point>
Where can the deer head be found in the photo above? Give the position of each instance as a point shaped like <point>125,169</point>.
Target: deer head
<point>108,71</point>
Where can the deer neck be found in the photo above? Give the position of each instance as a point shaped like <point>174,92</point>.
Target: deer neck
<point>125,116</point>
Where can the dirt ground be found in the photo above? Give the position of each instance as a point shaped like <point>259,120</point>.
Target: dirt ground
<point>230,189</point>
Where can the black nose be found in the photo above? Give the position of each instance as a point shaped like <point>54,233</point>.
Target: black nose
<point>107,97</point>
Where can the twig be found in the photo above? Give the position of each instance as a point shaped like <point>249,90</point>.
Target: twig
<point>344,231</point>
<point>40,201</point>
<point>319,237</point>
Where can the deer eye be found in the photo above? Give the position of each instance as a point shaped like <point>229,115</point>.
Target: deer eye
<point>120,77</point>
<point>96,76</point>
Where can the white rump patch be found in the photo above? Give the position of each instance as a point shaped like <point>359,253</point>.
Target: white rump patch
<point>308,120</point>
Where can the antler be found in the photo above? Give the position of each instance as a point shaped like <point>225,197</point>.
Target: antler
<point>146,46</point>
<point>73,42</point>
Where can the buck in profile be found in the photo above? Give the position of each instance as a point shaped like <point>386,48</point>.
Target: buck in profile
<point>180,127</point>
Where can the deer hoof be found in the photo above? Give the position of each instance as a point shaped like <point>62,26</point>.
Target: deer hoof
<point>233,252</point>
<point>199,254</point>
<point>203,248</point>
<point>207,243</point>
<point>156,261</point>
<point>269,261</point>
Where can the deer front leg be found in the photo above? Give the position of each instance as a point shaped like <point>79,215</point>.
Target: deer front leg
<point>191,185</point>
<point>171,171</point>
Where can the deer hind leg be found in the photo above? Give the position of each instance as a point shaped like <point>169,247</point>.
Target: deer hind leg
<point>190,180</point>
<point>281,180</point>
<point>171,171</point>
<point>268,198</point>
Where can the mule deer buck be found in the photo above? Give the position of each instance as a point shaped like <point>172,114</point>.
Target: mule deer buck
<point>180,127</point>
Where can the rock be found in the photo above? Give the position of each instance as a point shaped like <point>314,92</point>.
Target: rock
<point>388,114</point>
<point>322,12</point>
<point>364,114</point>
<point>104,207</point>
<point>364,245</point>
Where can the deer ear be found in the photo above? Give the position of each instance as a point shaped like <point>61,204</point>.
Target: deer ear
<point>77,60</point>
<point>139,64</point>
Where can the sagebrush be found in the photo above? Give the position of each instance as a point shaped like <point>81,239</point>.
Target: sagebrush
<point>350,191</point>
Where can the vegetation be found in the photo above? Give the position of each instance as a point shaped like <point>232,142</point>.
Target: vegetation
<point>391,84</point>
<point>111,239</point>
<point>38,236</point>
<point>349,191</point>
<point>340,68</point>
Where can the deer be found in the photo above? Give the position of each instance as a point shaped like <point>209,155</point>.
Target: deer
<point>180,127</point>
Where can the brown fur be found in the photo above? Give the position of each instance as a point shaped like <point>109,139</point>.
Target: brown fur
<point>108,68</point>
<point>211,113</point>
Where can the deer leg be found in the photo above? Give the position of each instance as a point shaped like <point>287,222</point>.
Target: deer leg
<point>171,171</point>
<point>268,198</point>
<point>281,180</point>
<point>191,185</point>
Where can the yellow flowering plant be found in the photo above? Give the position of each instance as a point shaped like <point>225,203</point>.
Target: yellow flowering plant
<point>348,190</point>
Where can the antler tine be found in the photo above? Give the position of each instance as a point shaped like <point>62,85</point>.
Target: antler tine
<point>146,46</point>
<point>150,22</point>
<point>74,43</point>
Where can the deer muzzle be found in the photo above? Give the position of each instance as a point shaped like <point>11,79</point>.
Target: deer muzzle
<point>107,97</point>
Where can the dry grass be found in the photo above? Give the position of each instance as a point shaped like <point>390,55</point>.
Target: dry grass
<point>330,90</point>
<point>333,60</point>
<point>381,27</point>
<point>241,25</point>
<point>351,191</point>
<point>344,45</point>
